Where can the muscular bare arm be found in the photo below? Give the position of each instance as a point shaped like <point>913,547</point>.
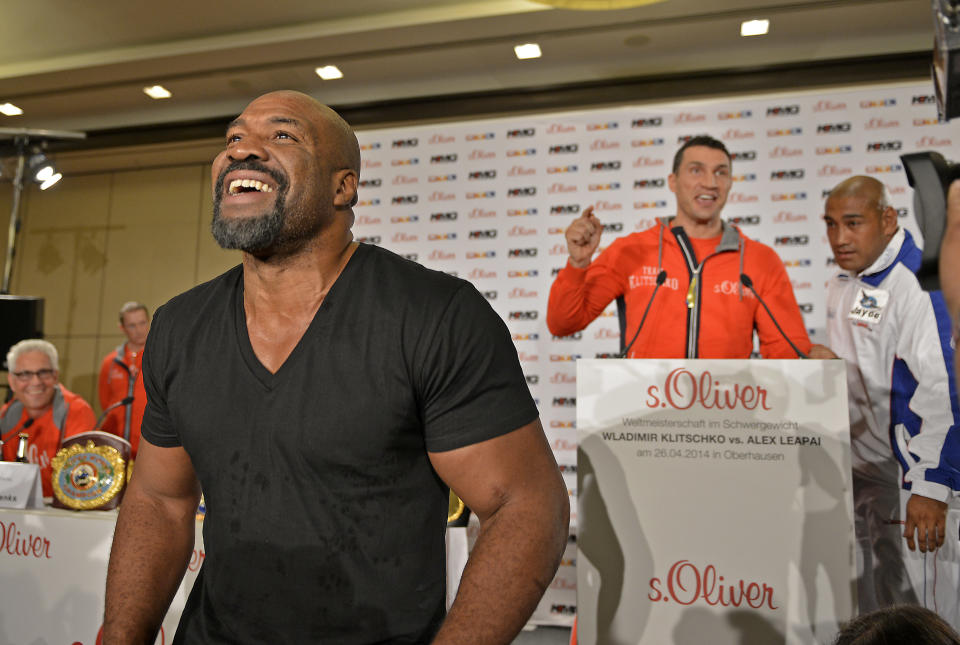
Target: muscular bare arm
<point>514,486</point>
<point>151,545</point>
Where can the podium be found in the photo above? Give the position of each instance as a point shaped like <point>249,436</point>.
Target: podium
<point>714,502</point>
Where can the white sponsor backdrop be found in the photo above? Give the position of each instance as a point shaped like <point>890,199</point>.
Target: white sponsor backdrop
<point>488,200</point>
<point>716,502</point>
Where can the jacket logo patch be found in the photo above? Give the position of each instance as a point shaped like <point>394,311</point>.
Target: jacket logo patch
<point>868,305</point>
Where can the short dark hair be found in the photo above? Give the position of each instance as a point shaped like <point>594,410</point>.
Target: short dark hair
<point>704,140</point>
<point>898,624</point>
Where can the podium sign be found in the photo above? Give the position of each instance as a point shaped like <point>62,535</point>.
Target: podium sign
<point>715,502</point>
<point>20,485</point>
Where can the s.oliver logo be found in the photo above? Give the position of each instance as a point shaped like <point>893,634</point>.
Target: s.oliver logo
<point>14,542</point>
<point>686,585</point>
<point>682,389</point>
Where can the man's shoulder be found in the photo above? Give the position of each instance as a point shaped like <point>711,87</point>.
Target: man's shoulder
<point>74,399</point>
<point>390,272</point>
<point>209,293</point>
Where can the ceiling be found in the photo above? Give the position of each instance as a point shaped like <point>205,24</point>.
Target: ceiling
<point>82,65</point>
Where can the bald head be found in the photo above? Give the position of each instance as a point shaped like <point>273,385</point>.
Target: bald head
<point>333,130</point>
<point>872,191</point>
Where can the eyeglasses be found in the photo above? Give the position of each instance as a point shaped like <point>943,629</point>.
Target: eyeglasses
<point>27,375</point>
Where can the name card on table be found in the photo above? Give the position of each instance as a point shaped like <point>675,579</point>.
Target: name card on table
<point>20,485</point>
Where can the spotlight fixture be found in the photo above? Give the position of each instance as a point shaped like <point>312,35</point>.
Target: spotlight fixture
<point>42,171</point>
<point>157,92</point>
<point>9,109</point>
<point>528,50</point>
<point>329,72</point>
<point>754,27</point>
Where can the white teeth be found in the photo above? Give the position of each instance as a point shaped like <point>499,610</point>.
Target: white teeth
<point>237,184</point>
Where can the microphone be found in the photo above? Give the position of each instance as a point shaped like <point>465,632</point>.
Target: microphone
<point>110,408</point>
<point>661,278</point>
<point>748,283</point>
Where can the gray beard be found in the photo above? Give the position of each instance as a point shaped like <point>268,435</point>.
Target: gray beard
<point>250,233</point>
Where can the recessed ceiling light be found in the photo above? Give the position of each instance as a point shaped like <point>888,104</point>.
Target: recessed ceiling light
<point>329,72</point>
<point>157,92</point>
<point>754,27</point>
<point>529,50</point>
<point>10,109</point>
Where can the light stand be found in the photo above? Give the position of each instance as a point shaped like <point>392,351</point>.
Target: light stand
<point>22,138</point>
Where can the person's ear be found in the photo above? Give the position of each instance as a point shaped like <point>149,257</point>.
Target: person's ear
<point>346,192</point>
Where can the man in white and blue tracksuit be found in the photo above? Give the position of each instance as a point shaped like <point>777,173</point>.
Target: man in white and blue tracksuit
<point>905,440</point>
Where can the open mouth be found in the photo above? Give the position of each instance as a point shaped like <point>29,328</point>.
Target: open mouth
<point>238,186</point>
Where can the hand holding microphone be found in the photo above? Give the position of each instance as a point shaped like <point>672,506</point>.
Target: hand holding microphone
<point>583,238</point>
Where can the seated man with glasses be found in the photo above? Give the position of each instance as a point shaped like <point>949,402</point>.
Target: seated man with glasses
<point>42,408</point>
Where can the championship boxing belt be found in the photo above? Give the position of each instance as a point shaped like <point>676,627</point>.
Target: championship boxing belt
<point>91,471</point>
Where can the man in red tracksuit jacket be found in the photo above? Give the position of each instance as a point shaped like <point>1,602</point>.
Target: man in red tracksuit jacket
<point>701,308</point>
<point>120,377</point>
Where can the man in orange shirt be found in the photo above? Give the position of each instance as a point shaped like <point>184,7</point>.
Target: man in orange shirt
<point>41,408</point>
<point>682,278</point>
<point>120,377</point>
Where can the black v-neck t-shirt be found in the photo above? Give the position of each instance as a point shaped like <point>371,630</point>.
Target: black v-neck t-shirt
<point>325,520</point>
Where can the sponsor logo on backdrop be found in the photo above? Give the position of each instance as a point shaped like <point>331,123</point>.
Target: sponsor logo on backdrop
<point>564,149</point>
<point>440,196</point>
<point>660,203</point>
<point>450,157</point>
<point>440,254</point>
<point>368,202</point>
<point>606,334</point>
<point>609,125</point>
<point>516,171</point>
<point>520,292</point>
<point>894,167</point>
<point>523,315</point>
<point>404,143</point>
<point>902,212</point>
<point>532,379</point>
<point>924,122</point>
<point>648,122</point>
<point>557,423</point>
<point>602,166</point>
<point>798,285</point>
<point>564,358</point>
<point>796,173</point>
<point>924,99</point>
<point>483,174</point>
<point>522,152</point>
<point>689,117</point>
<point>481,194</point>
<point>554,170</point>
<point>560,128</point>
<point>526,191</point>
<point>647,162</point>
<point>412,161</point>
<point>481,274</point>
<point>745,220</point>
<point>404,219</point>
<point>656,182</point>
<point>479,136</point>
<point>741,198</point>
<point>644,143</point>
<point>481,154</point>
<point>371,163</point>
<point>528,336</point>
<point>794,264</point>
<point>613,185</point>
<point>604,144</point>
<point>884,146</point>
<point>517,133</point>
<point>404,237</point>
<point>557,187</point>
<point>564,209</point>
<point>791,240</point>
<point>687,585</point>
<point>435,178</point>
<point>875,103</point>
<point>450,216</point>
<point>805,307</point>
<point>727,116</point>
<point>829,106</point>
<point>784,132</point>
<point>487,234</point>
<point>489,295</point>
<point>563,610</point>
<point>564,444</point>
<point>745,155</point>
<point>530,252</point>
<point>529,273</point>
<point>440,138</point>
<point>404,199</point>
<point>562,377</point>
<point>517,230</point>
<point>644,223</point>
<point>683,138</point>
<point>613,227</point>
<point>559,249</point>
<point>369,239</point>
<point>878,124</point>
<point>830,170</point>
<point>784,151</point>
<point>783,110</point>
<point>577,335</point>
<point>834,150</point>
<point>788,197</point>
<point>749,176</point>
<point>564,401</point>
<point>683,389</point>
<point>366,220</point>
<point>604,205</point>
<point>480,212</point>
<point>481,255</point>
<point>834,128</point>
<point>930,142</point>
<point>523,356</point>
<point>369,183</point>
<point>737,133</point>
<point>519,212</point>
<point>370,146</point>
